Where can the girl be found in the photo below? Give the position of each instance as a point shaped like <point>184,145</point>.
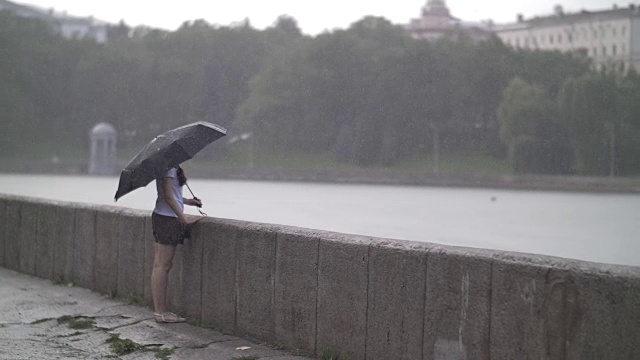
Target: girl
<point>169,228</point>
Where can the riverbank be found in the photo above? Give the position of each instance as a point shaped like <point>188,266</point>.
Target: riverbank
<point>525,182</point>
<point>371,176</point>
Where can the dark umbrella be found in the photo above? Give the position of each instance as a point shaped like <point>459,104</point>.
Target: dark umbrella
<point>166,151</point>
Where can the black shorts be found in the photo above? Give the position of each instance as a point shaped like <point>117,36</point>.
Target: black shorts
<point>168,230</point>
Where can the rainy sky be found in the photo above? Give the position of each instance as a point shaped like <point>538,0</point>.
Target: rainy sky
<point>313,16</point>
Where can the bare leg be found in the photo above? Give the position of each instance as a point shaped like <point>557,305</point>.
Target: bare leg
<point>162,262</point>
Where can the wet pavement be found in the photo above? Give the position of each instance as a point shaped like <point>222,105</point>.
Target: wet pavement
<point>43,320</point>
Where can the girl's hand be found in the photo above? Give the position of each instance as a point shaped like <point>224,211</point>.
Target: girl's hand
<point>194,202</point>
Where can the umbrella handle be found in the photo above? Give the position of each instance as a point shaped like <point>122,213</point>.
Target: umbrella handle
<point>200,211</point>
<point>190,191</point>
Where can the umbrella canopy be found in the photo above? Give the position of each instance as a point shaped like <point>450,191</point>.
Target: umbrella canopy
<point>166,151</point>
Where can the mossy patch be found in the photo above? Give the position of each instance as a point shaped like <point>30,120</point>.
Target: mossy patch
<point>134,299</point>
<point>164,353</point>
<point>123,346</point>
<point>332,354</point>
<point>77,322</point>
<point>40,321</point>
<point>127,346</point>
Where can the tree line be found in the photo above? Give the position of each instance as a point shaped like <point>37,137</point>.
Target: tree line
<point>367,95</point>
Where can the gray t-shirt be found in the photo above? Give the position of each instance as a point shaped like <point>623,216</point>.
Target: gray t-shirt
<point>162,208</point>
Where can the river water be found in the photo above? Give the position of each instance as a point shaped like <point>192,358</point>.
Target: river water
<point>595,227</point>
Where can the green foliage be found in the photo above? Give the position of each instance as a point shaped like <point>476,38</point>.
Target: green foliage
<point>56,90</point>
<point>602,111</point>
<point>374,96</point>
<point>522,107</point>
<point>369,96</point>
<point>528,125</point>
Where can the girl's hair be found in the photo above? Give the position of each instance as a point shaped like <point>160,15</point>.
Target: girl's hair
<point>182,179</point>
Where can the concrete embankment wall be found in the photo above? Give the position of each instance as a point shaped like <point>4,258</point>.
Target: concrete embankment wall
<point>368,298</point>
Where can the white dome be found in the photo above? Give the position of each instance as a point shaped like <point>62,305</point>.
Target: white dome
<point>103,129</point>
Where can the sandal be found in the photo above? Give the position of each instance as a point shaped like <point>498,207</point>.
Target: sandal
<point>168,318</point>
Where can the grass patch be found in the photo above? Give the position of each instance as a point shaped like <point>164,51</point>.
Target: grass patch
<point>245,358</point>
<point>460,163</point>
<point>122,347</point>
<point>163,353</point>
<point>298,161</point>
<point>77,323</point>
<point>134,299</point>
<point>331,354</point>
<point>113,294</point>
<point>452,163</point>
<point>40,321</point>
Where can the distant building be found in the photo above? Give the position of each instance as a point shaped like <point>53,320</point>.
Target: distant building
<point>103,139</point>
<point>70,27</point>
<point>609,37</point>
<point>80,28</point>
<point>436,21</point>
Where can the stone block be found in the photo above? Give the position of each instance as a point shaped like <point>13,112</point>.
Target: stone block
<point>458,304</point>
<point>219,265</point>
<point>396,300</point>
<point>592,311</point>
<point>4,223</point>
<point>342,294</point>
<point>12,244</point>
<point>255,281</point>
<point>296,288</point>
<point>63,239</point>
<point>186,276</point>
<point>191,284</point>
<point>84,247</point>
<point>174,282</point>
<point>552,308</point>
<point>130,232</point>
<point>106,259</point>
<point>519,285</point>
<point>28,236</point>
<point>149,249</point>
<point>45,233</point>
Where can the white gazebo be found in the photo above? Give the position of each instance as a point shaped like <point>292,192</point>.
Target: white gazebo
<point>103,149</point>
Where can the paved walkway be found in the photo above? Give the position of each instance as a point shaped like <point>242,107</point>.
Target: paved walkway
<point>41,320</point>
